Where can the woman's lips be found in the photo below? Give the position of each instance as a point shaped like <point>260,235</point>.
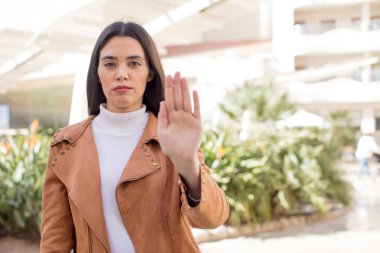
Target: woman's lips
<point>122,89</point>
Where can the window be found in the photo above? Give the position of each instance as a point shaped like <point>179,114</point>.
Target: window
<point>327,25</point>
<point>375,23</point>
<point>355,23</point>
<point>377,120</point>
<point>300,67</point>
<point>375,73</point>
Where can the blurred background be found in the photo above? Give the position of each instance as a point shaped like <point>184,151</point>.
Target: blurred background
<point>287,88</point>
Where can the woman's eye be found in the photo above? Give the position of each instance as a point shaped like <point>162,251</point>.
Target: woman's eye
<point>109,64</point>
<point>134,64</point>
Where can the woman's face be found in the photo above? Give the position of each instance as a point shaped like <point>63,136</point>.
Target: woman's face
<point>123,72</point>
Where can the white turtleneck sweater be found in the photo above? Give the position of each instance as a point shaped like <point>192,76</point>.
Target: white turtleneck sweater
<point>116,135</point>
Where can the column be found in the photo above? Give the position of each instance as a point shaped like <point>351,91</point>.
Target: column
<point>283,42</point>
<point>79,110</point>
<point>365,17</point>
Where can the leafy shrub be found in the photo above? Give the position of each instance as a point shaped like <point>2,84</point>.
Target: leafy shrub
<point>273,173</point>
<point>341,133</point>
<point>22,167</point>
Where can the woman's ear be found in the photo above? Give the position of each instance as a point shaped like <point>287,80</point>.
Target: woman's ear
<point>150,76</point>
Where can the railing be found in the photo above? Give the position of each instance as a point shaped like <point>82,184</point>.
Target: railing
<point>360,76</point>
<point>325,27</point>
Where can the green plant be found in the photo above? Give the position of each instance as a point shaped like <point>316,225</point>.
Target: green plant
<point>342,133</point>
<point>272,173</point>
<point>22,167</point>
<point>275,175</point>
<point>264,101</point>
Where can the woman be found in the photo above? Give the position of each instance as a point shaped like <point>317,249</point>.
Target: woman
<point>131,177</point>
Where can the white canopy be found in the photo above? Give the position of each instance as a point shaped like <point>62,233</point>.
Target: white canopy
<point>302,118</point>
<point>44,38</point>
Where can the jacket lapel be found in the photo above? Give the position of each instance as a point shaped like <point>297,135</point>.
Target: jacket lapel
<point>142,162</point>
<point>84,185</point>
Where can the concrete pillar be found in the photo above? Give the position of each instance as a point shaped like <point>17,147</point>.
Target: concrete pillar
<point>365,17</point>
<point>365,20</point>
<point>283,22</point>
<point>78,110</point>
<point>265,19</point>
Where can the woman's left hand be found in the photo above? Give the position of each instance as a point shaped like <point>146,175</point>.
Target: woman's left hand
<point>179,128</point>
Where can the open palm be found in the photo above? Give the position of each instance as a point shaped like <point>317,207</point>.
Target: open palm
<point>179,128</point>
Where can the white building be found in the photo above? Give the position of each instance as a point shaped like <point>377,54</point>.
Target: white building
<point>325,52</point>
<point>334,48</point>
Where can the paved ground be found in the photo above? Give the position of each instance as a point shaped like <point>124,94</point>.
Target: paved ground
<point>356,232</point>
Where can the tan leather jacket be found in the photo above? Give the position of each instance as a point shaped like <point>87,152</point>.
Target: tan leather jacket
<point>150,194</point>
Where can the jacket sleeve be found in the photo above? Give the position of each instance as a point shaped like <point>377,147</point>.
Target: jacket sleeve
<point>213,209</point>
<point>57,225</point>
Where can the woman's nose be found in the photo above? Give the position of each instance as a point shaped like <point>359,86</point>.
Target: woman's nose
<point>122,74</point>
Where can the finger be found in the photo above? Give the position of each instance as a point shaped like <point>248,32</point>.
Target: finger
<point>197,107</point>
<point>178,102</point>
<point>185,95</point>
<point>163,116</point>
<point>169,94</point>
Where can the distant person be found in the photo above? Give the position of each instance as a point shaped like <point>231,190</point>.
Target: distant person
<point>131,177</point>
<point>367,146</point>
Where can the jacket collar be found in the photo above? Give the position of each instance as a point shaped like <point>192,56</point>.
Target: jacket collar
<point>73,132</point>
<point>142,161</point>
<point>84,183</point>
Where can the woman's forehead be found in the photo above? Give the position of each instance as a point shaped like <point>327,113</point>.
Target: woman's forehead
<point>122,46</point>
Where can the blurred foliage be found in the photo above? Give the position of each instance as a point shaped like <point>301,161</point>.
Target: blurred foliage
<point>263,100</point>
<point>342,133</point>
<point>23,158</point>
<point>272,173</point>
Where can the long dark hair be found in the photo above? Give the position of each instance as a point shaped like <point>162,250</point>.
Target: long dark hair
<point>154,91</point>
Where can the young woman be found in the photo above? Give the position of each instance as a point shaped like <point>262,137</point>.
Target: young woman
<point>131,177</point>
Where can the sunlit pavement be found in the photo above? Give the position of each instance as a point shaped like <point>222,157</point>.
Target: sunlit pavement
<point>358,231</point>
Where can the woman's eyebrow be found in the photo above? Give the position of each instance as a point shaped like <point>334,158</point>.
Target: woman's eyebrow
<point>135,57</point>
<point>110,57</point>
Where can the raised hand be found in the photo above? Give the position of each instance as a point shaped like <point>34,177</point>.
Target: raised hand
<point>179,128</point>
